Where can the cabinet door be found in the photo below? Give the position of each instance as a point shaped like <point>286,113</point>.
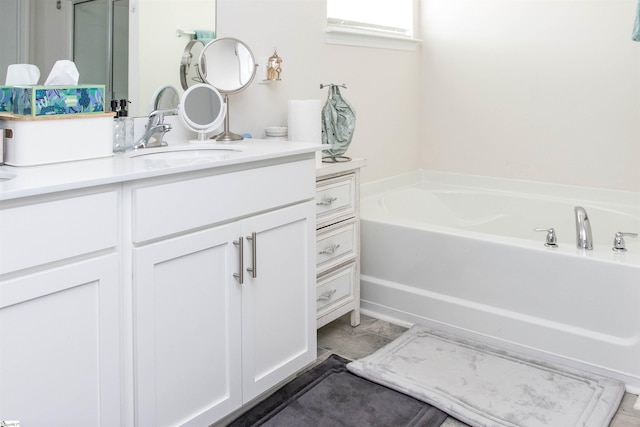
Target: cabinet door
<point>60,346</point>
<point>187,329</point>
<point>278,305</point>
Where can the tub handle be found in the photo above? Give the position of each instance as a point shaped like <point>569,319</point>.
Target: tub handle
<point>327,295</point>
<point>326,201</point>
<point>329,250</point>
<point>618,241</point>
<point>552,239</point>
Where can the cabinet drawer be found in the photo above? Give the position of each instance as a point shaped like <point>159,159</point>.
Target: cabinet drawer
<point>335,197</point>
<point>39,233</point>
<point>335,288</point>
<point>336,244</point>
<point>174,207</point>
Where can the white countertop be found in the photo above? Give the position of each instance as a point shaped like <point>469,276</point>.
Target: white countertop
<point>331,168</point>
<point>35,180</point>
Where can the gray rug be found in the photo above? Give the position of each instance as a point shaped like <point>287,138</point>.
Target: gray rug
<point>329,395</point>
<point>484,386</point>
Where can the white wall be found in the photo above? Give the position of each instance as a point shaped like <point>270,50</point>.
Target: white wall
<point>530,89</point>
<point>382,84</point>
<point>543,90</point>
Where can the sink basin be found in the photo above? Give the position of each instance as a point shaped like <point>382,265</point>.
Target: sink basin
<point>187,152</point>
<point>6,176</point>
<point>181,155</point>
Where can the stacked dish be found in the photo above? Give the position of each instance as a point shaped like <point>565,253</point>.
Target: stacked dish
<point>276,132</point>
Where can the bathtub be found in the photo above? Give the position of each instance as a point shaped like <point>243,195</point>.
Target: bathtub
<point>458,253</point>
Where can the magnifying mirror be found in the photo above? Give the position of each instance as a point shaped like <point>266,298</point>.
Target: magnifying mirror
<point>229,65</point>
<point>202,109</point>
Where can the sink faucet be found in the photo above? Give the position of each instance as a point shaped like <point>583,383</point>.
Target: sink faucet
<point>584,239</point>
<point>155,130</point>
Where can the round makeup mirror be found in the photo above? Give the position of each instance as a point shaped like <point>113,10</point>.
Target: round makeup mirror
<point>202,109</point>
<point>228,65</point>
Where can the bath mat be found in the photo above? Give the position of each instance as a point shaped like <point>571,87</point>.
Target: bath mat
<point>483,386</point>
<point>329,395</point>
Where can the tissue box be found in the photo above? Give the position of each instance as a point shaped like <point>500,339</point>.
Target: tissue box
<point>55,100</point>
<point>6,96</point>
<point>31,141</point>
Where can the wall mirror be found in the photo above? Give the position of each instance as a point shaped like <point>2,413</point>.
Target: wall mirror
<point>228,65</point>
<point>41,32</point>
<point>202,109</point>
<point>189,74</point>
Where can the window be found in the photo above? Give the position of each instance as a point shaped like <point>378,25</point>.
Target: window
<point>372,23</point>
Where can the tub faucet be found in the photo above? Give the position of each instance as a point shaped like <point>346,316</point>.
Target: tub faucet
<point>155,130</point>
<point>584,239</point>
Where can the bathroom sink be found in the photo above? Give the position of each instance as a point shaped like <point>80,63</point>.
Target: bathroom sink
<point>186,152</point>
<point>5,176</point>
<point>180,155</point>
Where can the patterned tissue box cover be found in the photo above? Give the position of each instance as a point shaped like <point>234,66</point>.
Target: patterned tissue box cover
<point>6,96</point>
<point>53,100</point>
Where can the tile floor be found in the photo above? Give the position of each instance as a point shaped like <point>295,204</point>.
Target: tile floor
<point>353,343</point>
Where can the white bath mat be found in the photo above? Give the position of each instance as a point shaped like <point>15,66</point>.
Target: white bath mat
<point>484,386</point>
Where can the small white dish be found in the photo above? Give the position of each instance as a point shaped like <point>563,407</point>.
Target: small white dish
<point>276,131</point>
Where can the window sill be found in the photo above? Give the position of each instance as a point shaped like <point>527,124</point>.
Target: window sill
<point>363,38</point>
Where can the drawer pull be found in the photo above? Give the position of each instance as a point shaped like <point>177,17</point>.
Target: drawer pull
<point>240,244</point>
<point>327,295</point>
<point>329,250</point>
<point>254,255</point>
<point>326,201</point>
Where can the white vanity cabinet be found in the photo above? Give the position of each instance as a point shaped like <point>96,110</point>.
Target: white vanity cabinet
<point>60,309</point>
<point>205,343</point>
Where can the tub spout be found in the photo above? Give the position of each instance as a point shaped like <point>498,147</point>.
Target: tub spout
<point>584,239</point>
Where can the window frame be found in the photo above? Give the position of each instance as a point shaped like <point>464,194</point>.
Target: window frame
<point>351,34</point>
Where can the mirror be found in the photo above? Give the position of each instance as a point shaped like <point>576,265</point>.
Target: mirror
<point>202,110</point>
<point>189,75</point>
<point>228,65</point>
<point>166,98</point>
<point>40,32</point>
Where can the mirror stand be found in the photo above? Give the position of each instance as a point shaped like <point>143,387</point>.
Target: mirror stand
<point>227,135</point>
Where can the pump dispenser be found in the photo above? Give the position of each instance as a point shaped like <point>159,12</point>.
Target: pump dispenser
<point>118,129</point>
<point>123,127</point>
<point>123,108</point>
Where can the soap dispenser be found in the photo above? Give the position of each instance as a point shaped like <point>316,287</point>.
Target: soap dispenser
<point>122,126</point>
<point>123,115</point>
<point>118,129</point>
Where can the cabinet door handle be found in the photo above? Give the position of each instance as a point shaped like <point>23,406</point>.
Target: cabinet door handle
<point>329,249</point>
<point>326,295</point>
<point>254,255</point>
<point>240,244</point>
<point>326,201</point>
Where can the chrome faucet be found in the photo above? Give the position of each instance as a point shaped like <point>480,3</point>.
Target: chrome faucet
<point>584,238</point>
<point>155,130</point>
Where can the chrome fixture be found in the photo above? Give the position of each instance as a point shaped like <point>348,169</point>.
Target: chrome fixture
<point>552,240</point>
<point>618,241</point>
<point>155,130</point>
<point>584,238</point>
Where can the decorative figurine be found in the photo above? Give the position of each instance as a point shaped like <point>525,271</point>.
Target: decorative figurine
<point>274,69</point>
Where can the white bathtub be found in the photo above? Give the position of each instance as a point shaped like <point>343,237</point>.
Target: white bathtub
<point>458,253</point>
